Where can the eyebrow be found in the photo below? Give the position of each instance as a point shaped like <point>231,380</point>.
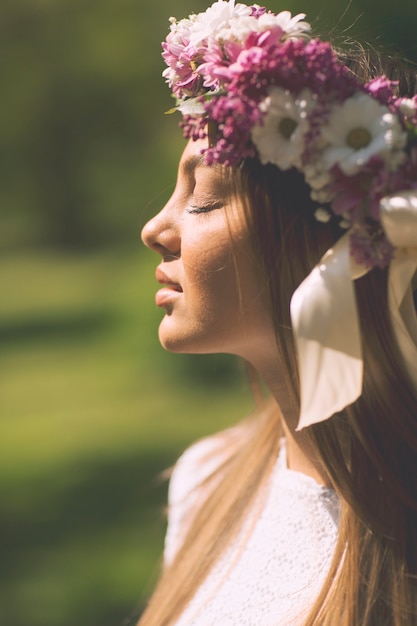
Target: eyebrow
<point>192,162</point>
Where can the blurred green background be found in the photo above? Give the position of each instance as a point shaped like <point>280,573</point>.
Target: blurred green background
<point>91,408</point>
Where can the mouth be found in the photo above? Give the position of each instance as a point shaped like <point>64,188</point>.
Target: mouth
<point>166,281</point>
<point>170,290</point>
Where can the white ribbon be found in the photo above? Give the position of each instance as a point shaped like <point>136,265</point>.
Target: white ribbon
<point>326,331</point>
<point>399,219</point>
<point>325,318</point>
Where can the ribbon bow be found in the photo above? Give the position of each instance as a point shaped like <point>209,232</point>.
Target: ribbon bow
<point>325,319</point>
<point>399,219</point>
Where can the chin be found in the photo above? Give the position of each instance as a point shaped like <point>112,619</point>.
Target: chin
<point>181,345</point>
<point>173,340</point>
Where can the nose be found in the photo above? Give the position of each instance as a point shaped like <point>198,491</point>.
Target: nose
<point>161,234</point>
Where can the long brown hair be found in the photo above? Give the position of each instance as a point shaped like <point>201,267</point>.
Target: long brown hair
<point>369,450</point>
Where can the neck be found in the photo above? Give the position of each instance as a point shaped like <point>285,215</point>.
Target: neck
<point>301,456</point>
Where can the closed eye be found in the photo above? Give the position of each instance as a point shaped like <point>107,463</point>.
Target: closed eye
<point>193,208</point>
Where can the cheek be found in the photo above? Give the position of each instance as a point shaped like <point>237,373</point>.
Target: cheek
<point>210,272</point>
<point>203,320</point>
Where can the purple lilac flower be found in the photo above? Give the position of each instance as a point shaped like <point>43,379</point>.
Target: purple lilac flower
<point>194,127</point>
<point>292,65</point>
<point>369,245</point>
<point>234,117</point>
<point>352,193</point>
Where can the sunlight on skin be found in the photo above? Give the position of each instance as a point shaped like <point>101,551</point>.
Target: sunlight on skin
<point>211,291</point>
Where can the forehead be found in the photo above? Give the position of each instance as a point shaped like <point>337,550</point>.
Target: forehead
<point>192,158</point>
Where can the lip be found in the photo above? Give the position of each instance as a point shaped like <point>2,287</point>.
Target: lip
<point>169,291</point>
<point>162,278</point>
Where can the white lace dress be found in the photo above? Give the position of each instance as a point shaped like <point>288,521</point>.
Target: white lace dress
<point>273,572</point>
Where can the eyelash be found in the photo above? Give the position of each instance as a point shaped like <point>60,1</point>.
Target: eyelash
<point>203,209</point>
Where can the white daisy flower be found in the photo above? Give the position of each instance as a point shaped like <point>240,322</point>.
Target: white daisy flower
<point>237,29</point>
<point>397,158</point>
<point>218,21</point>
<point>321,195</point>
<point>322,215</point>
<point>345,224</point>
<point>408,106</point>
<point>319,180</point>
<point>316,177</point>
<point>292,26</point>
<point>180,29</point>
<point>359,129</point>
<point>280,139</point>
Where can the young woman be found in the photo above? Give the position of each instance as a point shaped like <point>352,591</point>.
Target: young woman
<point>291,241</point>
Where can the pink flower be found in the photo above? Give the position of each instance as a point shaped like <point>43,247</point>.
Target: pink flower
<point>267,39</point>
<point>217,61</point>
<point>257,11</point>
<point>382,89</point>
<point>247,59</point>
<point>182,60</point>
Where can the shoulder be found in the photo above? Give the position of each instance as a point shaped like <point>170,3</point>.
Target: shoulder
<point>195,465</point>
<point>189,485</point>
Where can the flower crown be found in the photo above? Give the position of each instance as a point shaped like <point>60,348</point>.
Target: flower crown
<point>275,93</point>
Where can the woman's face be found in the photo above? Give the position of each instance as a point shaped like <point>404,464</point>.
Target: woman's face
<point>211,293</point>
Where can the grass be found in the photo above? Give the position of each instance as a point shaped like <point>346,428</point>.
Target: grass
<point>92,409</point>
